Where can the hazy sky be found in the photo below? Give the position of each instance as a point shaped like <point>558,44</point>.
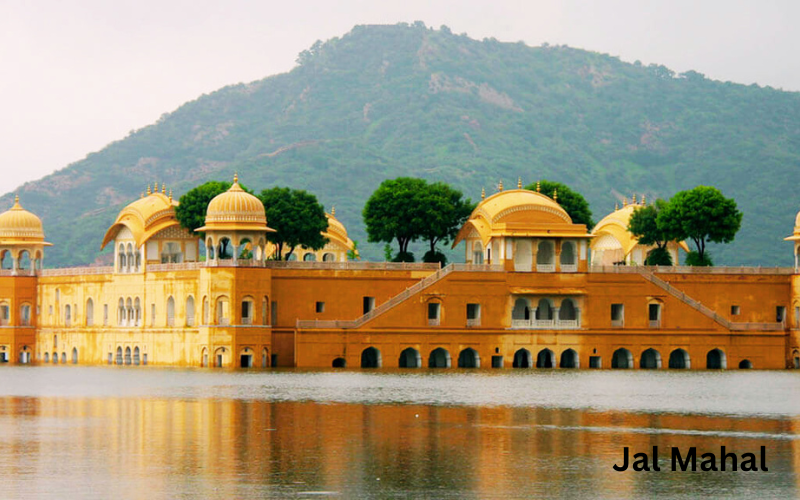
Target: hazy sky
<point>76,75</point>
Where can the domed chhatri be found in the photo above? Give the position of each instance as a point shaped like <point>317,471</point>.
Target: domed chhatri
<point>21,240</point>
<point>144,218</point>
<point>235,225</point>
<point>235,210</point>
<point>20,227</point>
<point>795,237</point>
<point>518,227</point>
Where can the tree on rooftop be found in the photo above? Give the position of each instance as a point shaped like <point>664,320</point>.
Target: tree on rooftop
<point>643,224</point>
<point>297,218</point>
<point>572,201</point>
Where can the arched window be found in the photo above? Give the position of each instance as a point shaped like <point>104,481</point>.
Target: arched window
<point>568,255</point>
<point>521,311</point>
<point>25,315</point>
<point>121,258</point>
<point>121,312</point>
<point>247,311</point>
<point>89,312</point>
<point>225,249</point>
<point>129,256</point>
<point>265,311</point>
<point>544,311</point>
<point>6,261</point>
<point>210,255</point>
<point>170,311</point>
<point>67,315</point>
<point>136,356</point>
<point>119,355</point>
<point>205,310</point>
<point>128,355</point>
<point>328,257</point>
<point>545,257</point>
<point>567,311</point>
<point>24,260</point>
<point>129,312</point>
<point>5,314</point>
<point>74,355</point>
<point>137,312</point>
<point>190,311</point>
<point>223,313</point>
<point>477,253</point>
<point>309,257</point>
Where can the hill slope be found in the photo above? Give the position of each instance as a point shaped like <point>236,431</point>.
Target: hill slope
<point>384,101</point>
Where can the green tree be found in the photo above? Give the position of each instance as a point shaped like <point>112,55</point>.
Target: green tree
<point>572,201</point>
<point>446,211</point>
<point>702,215</point>
<point>643,224</point>
<point>192,206</point>
<point>393,212</point>
<point>297,218</point>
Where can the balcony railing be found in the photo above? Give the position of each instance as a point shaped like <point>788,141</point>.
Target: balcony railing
<point>545,324</point>
<point>569,268</point>
<point>617,323</point>
<point>545,268</point>
<point>433,321</point>
<point>471,323</point>
<point>655,323</point>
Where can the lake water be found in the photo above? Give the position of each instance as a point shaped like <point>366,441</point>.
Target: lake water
<point>151,433</point>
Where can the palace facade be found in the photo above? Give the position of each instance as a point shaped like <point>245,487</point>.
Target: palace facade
<point>535,291</point>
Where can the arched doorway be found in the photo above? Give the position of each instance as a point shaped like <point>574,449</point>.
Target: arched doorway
<point>679,359</point>
<point>745,364</point>
<point>246,358</point>
<point>522,359</point>
<point>339,363</point>
<point>651,359</point>
<point>545,359</point>
<point>136,357</point>
<point>439,358</point>
<point>264,358</point>
<point>128,355</point>
<point>410,358</point>
<point>622,359</point>
<point>204,358</point>
<point>523,257</point>
<point>469,358</point>
<point>74,355</point>
<point>119,355</point>
<point>370,358</point>
<point>569,359</point>
<point>715,360</point>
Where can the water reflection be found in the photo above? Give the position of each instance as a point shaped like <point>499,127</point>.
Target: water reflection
<point>181,442</point>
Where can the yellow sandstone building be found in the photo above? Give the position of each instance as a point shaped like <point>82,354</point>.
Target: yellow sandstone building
<point>535,291</point>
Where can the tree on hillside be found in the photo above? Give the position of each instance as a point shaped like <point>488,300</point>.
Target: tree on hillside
<point>572,201</point>
<point>702,215</point>
<point>393,212</point>
<point>446,211</point>
<point>297,218</point>
<point>643,224</point>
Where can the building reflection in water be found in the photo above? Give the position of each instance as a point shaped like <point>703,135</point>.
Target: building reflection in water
<point>165,448</point>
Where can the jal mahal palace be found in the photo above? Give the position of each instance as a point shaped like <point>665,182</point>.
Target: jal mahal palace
<point>535,291</point>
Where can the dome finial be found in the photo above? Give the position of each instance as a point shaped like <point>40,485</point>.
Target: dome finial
<point>643,200</point>
<point>519,182</point>
<point>148,190</point>
<point>483,193</point>
<point>538,186</point>
<point>616,206</point>
<point>333,211</point>
<point>236,177</point>
<point>155,187</point>
<point>163,188</point>
<point>16,199</point>
<point>170,195</point>
<point>634,198</point>
<point>624,201</point>
<point>500,186</point>
<point>555,195</point>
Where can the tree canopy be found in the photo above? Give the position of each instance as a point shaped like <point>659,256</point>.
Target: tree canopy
<point>572,201</point>
<point>192,207</point>
<point>702,215</point>
<point>297,218</point>
<point>643,224</point>
<point>407,209</point>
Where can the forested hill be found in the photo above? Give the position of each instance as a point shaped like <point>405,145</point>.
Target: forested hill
<point>385,101</point>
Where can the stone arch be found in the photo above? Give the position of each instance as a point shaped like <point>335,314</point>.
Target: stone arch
<point>679,359</point>
<point>190,311</point>
<point>264,358</point>
<point>204,357</point>
<point>121,314</point>
<point>545,359</point>
<point>63,358</point>
<point>569,359</point>
<point>24,260</point>
<point>521,310</point>
<point>171,311</point>
<point>371,358</point>
<point>745,364</point>
<point>119,355</point>
<point>128,356</point>
<point>210,253</point>
<point>795,359</point>
<point>246,250</point>
<point>716,359</point>
<point>74,355</point>
<point>568,311</point>
<point>650,359</point>
<point>129,311</point>
<point>339,363</point>
<point>622,358</point>
<point>439,358</point>
<point>469,358</point>
<point>544,309</point>
<point>222,310</point>
<point>328,257</point>
<point>46,357</point>
<point>137,311</point>
<point>477,253</point>
<point>205,310</point>
<point>224,249</point>
<point>248,310</point>
<point>545,253</point>
<point>136,356</point>
<point>246,358</point>
<point>121,259</point>
<point>55,358</point>
<point>89,312</point>
<point>410,358</point>
<point>309,257</point>
<point>568,253</point>
<point>522,359</point>
<point>523,256</point>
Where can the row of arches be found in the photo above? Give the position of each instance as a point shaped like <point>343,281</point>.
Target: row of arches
<point>545,256</point>
<point>622,358</point>
<point>128,356</point>
<point>47,358</point>
<point>129,258</point>
<point>20,260</point>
